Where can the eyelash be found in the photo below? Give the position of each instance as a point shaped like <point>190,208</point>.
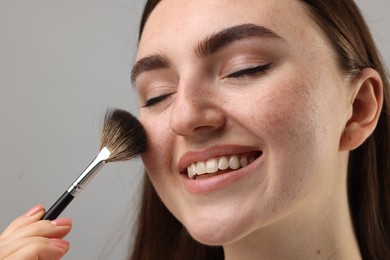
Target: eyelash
<point>155,100</point>
<point>250,71</point>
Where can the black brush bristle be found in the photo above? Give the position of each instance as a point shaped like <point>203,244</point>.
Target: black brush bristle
<point>123,135</point>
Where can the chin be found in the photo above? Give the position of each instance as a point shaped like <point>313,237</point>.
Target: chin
<point>211,237</point>
<point>216,233</point>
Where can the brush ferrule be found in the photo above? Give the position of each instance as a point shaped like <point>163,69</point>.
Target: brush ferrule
<point>89,172</point>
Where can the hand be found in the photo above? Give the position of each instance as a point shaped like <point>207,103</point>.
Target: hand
<point>29,238</point>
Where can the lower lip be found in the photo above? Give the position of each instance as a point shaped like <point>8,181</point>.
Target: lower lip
<point>217,182</point>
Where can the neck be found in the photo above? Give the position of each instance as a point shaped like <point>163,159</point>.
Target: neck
<point>315,231</point>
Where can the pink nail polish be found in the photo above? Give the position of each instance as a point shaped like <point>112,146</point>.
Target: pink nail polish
<point>62,222</point>
<point>34,210</point>
<point>57,242</point>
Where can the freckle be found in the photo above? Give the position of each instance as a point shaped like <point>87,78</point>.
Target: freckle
<point>318,252</point>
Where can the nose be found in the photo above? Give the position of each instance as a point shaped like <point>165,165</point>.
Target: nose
<point>196,112</point>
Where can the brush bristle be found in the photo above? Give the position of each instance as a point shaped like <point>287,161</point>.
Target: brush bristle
<point>123,135</point>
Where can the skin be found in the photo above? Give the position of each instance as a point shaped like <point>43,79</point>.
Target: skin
<point>30,239</point>
<point>303,114</point>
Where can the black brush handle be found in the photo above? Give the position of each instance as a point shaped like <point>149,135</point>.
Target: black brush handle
<point>59,206</point>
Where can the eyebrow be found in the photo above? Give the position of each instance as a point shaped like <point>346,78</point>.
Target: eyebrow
<point>208,46</point>
<point>148,63</point>
<point>219,40</point>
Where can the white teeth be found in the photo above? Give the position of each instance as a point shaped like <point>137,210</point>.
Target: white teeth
<point>200,168</point>
<point>234,163</point>
<point>215,164</point>
<point>223,163</point>
<point>244,162</point>
<point>191,170</point>
<point>211,166</point>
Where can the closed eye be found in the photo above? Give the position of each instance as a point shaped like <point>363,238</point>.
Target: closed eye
<point>250,71</point>
<point>155,100</point>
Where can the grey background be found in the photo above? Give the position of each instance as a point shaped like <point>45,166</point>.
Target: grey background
<point>61,64</point>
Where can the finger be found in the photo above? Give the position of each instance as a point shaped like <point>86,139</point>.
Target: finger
<point>8,248</point>
<point>44,228</point>
<point>33,215</point>
<point>39,249</point>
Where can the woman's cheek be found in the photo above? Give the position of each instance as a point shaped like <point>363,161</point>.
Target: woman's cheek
<point>284,116</point>
<point>157,158</point>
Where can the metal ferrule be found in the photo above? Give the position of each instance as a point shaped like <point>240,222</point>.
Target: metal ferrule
<point>89,172</point>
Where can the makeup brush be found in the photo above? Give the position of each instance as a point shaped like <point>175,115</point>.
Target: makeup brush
<point>122,138</point>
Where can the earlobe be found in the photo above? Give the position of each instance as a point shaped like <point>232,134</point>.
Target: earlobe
<point>366,104</point>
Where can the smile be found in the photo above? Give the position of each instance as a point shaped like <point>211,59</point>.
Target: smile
<point>219,165</point>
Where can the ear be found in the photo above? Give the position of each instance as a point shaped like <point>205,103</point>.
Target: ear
<point>366,92</point>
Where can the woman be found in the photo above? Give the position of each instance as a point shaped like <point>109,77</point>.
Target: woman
<point>268,125</point>
<point>293,86</point>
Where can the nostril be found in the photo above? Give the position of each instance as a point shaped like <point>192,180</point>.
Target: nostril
<point>204,128</point>
<point>195,125</point>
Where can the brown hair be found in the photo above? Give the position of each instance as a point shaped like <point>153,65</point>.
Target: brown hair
<point>161,235</point>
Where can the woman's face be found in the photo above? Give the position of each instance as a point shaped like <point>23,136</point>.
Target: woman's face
<point>249,91</point>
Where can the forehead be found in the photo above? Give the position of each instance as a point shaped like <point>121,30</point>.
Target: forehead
<point>189,21</point>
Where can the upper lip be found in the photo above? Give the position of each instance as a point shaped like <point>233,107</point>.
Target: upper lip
<point>212,152</point>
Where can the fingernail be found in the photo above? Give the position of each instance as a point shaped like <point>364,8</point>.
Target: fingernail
<point>34,210</point>
<point>62,222</point>
<point>57,242</point>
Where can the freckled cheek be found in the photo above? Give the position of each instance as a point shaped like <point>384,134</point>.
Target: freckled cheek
<point>158,159</point>
<point>160,146</point>
<point>289,128</point>
<point>277,111</point>
<point>287,121</point>
<point>295,133</point>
